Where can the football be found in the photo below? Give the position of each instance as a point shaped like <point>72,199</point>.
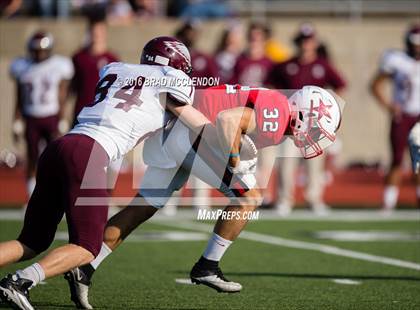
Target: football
<point>248,150</point>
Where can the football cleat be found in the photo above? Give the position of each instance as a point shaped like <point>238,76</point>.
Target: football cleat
<point>15,292</point>
<point>214,279</point>
<point>79,288</point>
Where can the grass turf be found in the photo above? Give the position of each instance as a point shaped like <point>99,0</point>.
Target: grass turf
<point>140,275</point>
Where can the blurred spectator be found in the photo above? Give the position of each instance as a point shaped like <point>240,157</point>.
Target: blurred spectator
<point>203,64</point>
<point>88,61</point>
<point>307,67</point>
<point>119,12</point>
<point>41,90</point>
<point>50,8</point>
<point>274,50</point>
<point>253,65</point>
<point>227,52</point>
<point>9,8</point>
<point>402,69</point>
<point>203,9</point>
<point>146,8</point>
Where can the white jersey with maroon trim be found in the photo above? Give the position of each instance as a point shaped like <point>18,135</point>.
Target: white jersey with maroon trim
<point>39,83</point>
<point>405,71</point>
<point>127,107</point>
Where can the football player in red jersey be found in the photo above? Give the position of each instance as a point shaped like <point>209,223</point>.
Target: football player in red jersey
<point>311,115</point>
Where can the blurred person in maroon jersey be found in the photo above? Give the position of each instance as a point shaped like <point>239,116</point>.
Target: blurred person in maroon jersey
<point>309,66</point>
<point>228,51</point>
<point>253,65</point>
<point>87,63</point>
<point>402,69</point>
<point>202,63</point>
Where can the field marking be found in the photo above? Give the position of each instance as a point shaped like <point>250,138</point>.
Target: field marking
<point>151,236</point>
<point>367,235</point>
<point>184,281</point>
<point>271,215</point>
<point>303,245</point>
<point>346,281</point>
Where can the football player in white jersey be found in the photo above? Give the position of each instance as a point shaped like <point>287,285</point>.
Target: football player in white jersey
<point>42,81</point>
<point>402,69</point>
<point>71,177</point>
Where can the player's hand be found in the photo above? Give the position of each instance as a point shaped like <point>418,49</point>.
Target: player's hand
<point>245,167</point>
<point>18,127</point>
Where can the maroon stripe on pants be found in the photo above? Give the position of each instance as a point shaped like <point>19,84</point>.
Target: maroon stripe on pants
<point>67,165</point>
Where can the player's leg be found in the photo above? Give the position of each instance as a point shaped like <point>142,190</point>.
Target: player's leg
<point>41,219</point>
<point>288,168</point>
<point>392,180</point>
<point>32,138</point>
<point>81,170</point>
<point>414,144</point>
<point>149,199</point>
<point>316,185</point>
<point>209,164</point>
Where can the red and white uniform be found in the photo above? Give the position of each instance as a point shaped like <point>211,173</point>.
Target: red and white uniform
<point>171,159</point>
<point>39,83</point>
<point>127,107</point>
<point>271,109</point>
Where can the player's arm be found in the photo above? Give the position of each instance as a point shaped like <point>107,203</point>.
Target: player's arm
<point>18,119</point>
<point>378,91</point>
<point>63,91</point>
<point>230,125</point>
<point>190,116</point>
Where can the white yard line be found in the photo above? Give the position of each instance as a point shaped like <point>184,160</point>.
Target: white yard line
<point>297,215</point>
<point>326,249</point>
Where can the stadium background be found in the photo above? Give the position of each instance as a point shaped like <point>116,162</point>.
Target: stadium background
<point>357,33</point>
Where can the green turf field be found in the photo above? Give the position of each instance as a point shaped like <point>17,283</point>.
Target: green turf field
<point>275,272</point>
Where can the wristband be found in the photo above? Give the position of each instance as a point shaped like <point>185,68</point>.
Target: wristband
<point>234,155</point>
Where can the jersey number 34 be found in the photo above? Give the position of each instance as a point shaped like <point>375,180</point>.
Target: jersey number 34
<point>129,94</point>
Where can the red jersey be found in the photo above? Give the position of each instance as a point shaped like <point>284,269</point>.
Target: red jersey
<point>87,67</point>
<point>270,106</point>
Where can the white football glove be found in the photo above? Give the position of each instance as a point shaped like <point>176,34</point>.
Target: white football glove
<point>245,167</point>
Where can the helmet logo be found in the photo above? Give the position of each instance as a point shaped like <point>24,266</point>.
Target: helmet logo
<point>323,110</point>
<point>178,48</point>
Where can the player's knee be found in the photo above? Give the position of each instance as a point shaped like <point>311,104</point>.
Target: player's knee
<point>34,247</point>
<point>251,200</point>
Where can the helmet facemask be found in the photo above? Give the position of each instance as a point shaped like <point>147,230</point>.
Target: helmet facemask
<point>312,121</point>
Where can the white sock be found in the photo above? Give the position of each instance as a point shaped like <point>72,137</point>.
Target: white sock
<point>30,185</point>
<point>216,247</point>
<point>103,253</point>
<point>390,196</point>
<point>35,273</point>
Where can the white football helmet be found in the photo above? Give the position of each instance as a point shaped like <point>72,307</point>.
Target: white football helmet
<point>315,119</point>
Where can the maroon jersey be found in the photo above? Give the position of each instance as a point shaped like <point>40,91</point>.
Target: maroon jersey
<point>271,109</point>
<point>203,65</point>
<point>251,72</point>
<point>294,75</point>
<point>87,67</point>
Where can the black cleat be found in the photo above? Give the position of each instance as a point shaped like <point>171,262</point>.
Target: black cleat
<point>213,278</point>
<point>79,288</point>
<point>15,292</point>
